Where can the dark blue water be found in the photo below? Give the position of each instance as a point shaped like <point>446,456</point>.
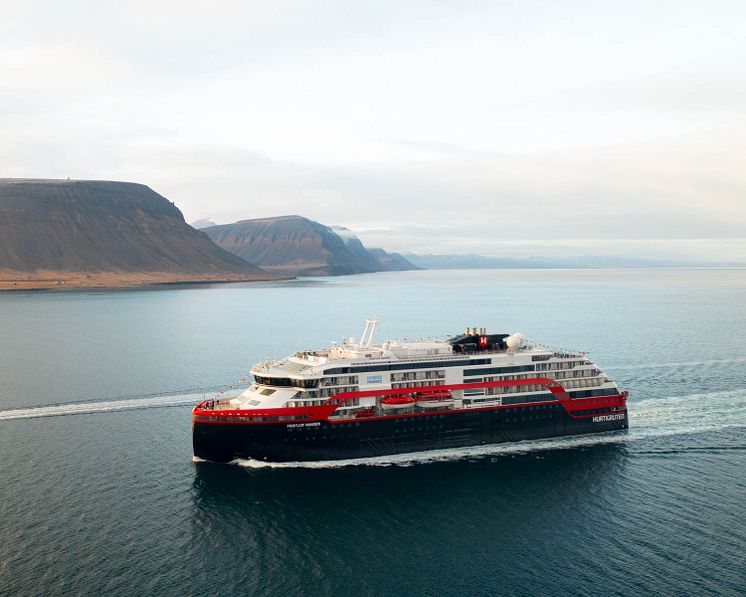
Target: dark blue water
<point>99,494</point>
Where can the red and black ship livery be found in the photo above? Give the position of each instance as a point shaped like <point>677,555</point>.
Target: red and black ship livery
<point>221,434</point>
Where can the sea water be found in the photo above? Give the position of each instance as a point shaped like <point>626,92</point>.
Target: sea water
<point>100,493</point>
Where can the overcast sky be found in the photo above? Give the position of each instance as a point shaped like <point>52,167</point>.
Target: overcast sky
<point>501,128</point>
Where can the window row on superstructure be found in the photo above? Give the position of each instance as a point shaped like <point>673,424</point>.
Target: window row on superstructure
<point>404,366</point>
<point>498,370</point>
<point>418,375</point>
<point>582,382</point>
<point>574,374</point>
<point>563,375</point>
<point>338,381</point>
<point>417,384</point>
<point>545,396</point>
<point>557,365</point>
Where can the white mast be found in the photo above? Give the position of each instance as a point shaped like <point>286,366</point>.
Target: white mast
<point>371,322</point>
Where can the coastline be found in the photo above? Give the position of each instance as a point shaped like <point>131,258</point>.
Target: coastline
<point>72,281</point>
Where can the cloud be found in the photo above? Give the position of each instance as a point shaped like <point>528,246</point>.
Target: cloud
<point>433,127</point>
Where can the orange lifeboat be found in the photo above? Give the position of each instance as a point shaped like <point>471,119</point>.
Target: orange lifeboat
<point>397,402</point>
<point>442,399</point>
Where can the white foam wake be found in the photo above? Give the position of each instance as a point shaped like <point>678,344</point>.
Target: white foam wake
<point>675,415</point>
<point>82,408</point>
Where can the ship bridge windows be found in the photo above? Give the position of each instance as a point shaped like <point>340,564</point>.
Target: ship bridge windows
<point>273,381</point>
<point>285,382</point>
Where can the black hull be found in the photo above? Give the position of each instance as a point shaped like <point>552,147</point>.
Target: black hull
<point>287,442</point>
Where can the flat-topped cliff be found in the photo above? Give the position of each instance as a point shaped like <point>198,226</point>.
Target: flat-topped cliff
<point>100,233</point>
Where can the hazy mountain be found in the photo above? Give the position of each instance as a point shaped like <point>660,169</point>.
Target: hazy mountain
<point>390,262</point>
<point>378,259</point>
<point>295,245</point>
<point>100,233</point>
<point>204,223</point>
<point>484,262</point>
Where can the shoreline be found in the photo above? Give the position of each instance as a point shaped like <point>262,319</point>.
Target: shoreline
<point>77,281</point>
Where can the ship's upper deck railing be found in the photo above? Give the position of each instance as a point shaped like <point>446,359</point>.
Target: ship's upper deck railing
<point>551,352</point>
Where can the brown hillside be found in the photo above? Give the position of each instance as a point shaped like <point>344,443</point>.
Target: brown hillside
<point>292,245</point>
<point>100,233</point>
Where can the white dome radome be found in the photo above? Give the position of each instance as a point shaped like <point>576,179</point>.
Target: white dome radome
<point>516,340</point>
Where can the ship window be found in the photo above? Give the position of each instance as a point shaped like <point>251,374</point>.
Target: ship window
<point>273,381</point>
<point>401,366</point>
<point>498,370</point>
<point>267,392</point>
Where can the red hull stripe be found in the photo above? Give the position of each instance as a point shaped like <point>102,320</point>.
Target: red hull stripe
<point>322,413</point>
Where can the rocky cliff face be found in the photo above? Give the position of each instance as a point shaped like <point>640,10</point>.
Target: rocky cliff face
<point>392,262</point>
<point>378,260</point>
<point>99,233</point>
<point>294,245</point>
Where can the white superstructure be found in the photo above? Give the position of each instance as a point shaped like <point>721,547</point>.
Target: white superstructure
<point>311,377</point>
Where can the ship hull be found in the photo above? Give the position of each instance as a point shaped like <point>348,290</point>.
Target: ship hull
<point>325,440</point>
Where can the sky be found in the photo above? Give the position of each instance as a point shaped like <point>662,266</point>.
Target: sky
<point>498,128</point>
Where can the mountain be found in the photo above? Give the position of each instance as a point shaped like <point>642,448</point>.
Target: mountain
<point>204,223</point>
<point>291,245</point>
<point>378,259</point>
<point>294,245</point>
<point>99,233</point>
<point>484,262</point>
<point>392,262</point>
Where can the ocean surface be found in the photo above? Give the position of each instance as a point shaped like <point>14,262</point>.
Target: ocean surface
<point>99,494</point>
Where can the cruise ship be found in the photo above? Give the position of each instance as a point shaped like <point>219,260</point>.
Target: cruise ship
<point>358,399</point>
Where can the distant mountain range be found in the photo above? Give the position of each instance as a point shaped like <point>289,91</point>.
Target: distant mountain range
<point>57,233</point>
<point>63,233</point>
<point>297,246</point>
<point>484,262</point>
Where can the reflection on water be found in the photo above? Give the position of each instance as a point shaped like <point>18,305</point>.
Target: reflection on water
<point>388,519</point>
<point>219,486</point>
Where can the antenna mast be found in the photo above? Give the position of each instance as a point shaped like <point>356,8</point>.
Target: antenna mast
<point>371,323</point>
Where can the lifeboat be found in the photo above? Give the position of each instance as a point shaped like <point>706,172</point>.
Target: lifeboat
<point>435,400</point>
<point>366,412</point>
<point>397,402</point>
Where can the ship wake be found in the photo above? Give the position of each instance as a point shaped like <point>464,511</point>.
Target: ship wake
<point>86,408</point>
